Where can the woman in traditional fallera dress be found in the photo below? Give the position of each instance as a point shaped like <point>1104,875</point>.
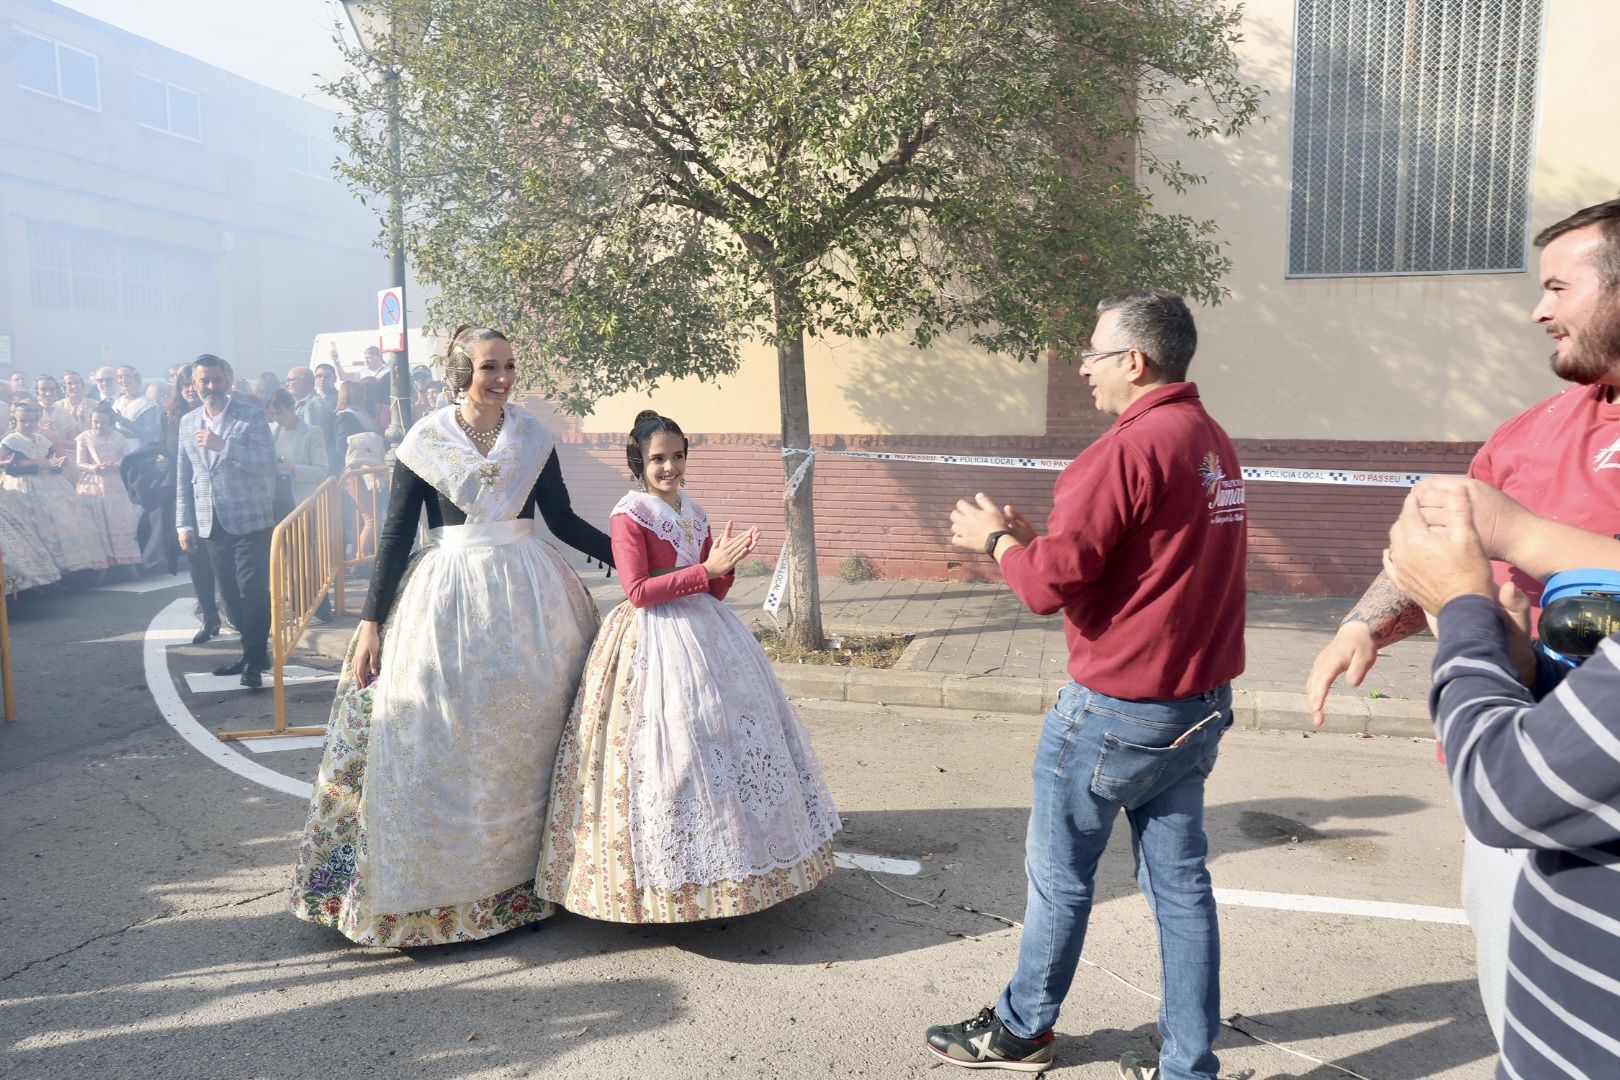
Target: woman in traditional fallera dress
<point>34,473</point>
<point>686,787</point>
<point>426,818</point>
<point>28,564</point>
<point>101,452</point>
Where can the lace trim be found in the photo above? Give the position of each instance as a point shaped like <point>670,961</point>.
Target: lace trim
<point>685,531</point>
<point>485,489</point>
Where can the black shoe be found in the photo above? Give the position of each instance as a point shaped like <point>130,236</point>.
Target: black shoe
<point>209,631</point>
<point>252,677</point>
<point>983,1043</point>
<point>232,669</point>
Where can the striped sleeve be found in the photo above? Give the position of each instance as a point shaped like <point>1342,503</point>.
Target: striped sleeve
<point>1526,774</point>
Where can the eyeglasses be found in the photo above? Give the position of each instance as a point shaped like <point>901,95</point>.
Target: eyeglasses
<point>1089,355</point>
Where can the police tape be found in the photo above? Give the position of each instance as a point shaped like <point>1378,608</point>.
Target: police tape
<point>1262,474</point>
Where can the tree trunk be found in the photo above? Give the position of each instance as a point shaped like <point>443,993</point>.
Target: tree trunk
<point>804,586</point>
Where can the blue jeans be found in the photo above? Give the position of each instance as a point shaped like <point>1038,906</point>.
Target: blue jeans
<point>1099,755</point>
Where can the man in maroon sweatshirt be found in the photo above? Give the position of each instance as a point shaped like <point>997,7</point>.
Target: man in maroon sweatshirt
<point>1144,555</point>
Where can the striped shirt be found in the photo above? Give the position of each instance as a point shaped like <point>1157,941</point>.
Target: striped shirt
<point>1544,776</point>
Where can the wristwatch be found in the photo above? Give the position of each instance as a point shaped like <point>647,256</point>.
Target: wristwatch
<point>991,541</point>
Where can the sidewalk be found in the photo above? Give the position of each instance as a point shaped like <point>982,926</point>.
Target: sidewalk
<point>975,647</point>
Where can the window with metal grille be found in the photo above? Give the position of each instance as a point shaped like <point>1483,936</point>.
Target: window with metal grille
<point>85,271</point>
<point>1413,126</point>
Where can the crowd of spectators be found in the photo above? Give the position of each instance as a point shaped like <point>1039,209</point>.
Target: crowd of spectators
<point>88,463</point>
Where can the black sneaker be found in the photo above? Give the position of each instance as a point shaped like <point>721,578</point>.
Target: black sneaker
<point>252,677</point>
<point>983,1043</point>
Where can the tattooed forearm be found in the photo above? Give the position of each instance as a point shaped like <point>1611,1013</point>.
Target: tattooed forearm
<point>1390,616</point>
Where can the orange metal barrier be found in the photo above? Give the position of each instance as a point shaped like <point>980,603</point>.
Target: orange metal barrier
<point>306,560</point>
<point>365,507</point>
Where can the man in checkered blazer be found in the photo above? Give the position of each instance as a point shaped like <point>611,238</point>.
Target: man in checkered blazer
<point>227,475</point>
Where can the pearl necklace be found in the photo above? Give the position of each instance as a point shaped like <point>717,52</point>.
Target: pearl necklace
<point>484,440</point>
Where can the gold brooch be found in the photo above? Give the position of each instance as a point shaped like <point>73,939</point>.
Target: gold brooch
<point>488,473</point>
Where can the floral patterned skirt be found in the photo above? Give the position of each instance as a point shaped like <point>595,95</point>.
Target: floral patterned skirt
<point>115,517</point>
<point>61,519</point>
<point>329,885</point>
<point>28,565</point>
<point>686,787</point>
<point>427,810</point>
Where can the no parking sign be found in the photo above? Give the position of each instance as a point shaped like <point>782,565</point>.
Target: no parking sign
<point>391,319</point>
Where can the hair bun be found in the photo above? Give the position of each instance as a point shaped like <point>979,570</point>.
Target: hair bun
<point>644,414</point>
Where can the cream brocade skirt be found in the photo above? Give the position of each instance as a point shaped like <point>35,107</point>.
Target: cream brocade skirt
<point>61,520</point>
<point>425,823</point>
<point>115,517</point>
<point>686,787</point>
<point>28,563</point>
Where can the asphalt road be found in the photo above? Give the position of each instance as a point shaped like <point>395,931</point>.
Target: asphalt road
<point>147,930</point>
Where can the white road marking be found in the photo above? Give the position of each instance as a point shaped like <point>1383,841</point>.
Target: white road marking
<point>1337,905</point>
<point>202,682</point>
<point>283,742</point>
<point>175,626</point>
<point>852,860</point>
<point>150,584</point>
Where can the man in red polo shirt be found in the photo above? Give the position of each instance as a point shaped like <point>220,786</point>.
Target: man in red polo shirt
<point>1144,555</point>
<point>1561,460</point>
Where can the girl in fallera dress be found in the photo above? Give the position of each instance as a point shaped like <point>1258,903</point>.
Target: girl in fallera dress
<point>686,787</point>
<point>426,818</point>
<point>34,472</point>
<point>101,452</point>
<point>57,422</point>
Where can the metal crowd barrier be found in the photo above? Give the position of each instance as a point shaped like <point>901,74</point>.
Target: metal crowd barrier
<point>306,562</point>
<point>365,499</point>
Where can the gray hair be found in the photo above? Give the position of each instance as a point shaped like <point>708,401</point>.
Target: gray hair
<point>1158,323</point>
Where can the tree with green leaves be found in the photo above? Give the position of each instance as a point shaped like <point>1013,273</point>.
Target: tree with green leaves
<point>633,188</point>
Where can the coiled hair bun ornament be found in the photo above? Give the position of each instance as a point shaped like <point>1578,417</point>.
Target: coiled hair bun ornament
<point>644,414</point>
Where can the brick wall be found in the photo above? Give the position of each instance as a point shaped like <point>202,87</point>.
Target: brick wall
<point>1303,539</point>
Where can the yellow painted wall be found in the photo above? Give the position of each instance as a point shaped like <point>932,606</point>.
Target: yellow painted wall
<point>1426,358</point>
<point>880,386</point>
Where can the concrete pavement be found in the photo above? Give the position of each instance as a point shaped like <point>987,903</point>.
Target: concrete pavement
<point>148,932</point>
<point>975,647</point>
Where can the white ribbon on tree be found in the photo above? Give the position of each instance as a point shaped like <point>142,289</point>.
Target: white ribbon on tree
<point>1263,474</point>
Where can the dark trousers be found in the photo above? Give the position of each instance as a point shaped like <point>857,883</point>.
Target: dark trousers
<point>242,570</point>
<point>201,566</point>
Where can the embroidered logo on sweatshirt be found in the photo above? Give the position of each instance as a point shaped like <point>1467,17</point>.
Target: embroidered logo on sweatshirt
<point>1607,458</point>
<point>1227,502</point>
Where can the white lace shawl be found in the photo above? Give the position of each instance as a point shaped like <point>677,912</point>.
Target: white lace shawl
<point>684,530</point>
<point>485,489</point>
<point>33,446</point>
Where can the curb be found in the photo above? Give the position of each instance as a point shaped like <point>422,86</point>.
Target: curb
<point>1255,710</point>
<point>1252,710</point>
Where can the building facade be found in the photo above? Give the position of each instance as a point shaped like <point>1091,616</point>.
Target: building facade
<point>153,207</point>
<point>1379,224</point>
